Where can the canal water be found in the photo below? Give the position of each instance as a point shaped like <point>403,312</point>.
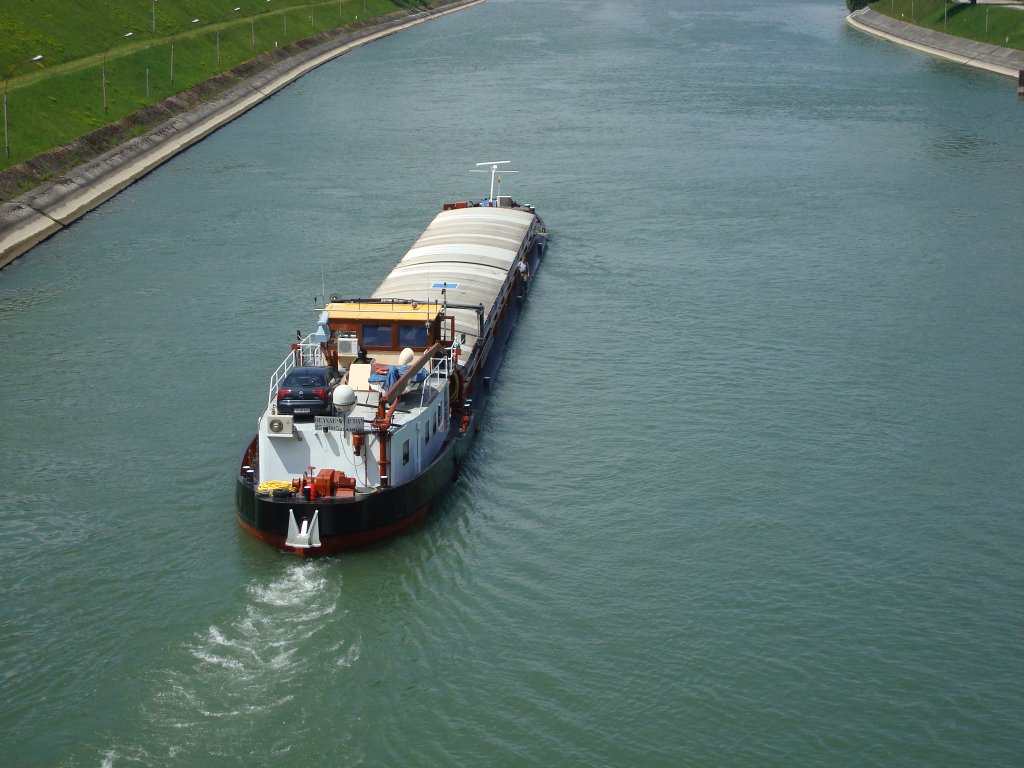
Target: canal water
<point>749,490</point>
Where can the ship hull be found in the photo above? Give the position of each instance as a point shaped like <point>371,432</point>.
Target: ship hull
<point>349,523</point>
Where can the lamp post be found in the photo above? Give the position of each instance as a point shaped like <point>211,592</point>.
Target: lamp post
<point>194,21</point>
<point>154,15</point>
<point>126,34</point>
<point>252,25</point>
<point>233,10</point>
<point>7,143</point>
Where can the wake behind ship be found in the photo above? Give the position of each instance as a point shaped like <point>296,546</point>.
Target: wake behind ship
<point>369,417</point>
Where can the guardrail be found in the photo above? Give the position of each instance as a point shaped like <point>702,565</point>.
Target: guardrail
<point>304,352</point>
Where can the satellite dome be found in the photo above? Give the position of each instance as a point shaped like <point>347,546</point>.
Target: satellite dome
<point>344,398</point>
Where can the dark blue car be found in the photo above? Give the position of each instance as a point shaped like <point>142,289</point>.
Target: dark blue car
<point>308,391</point>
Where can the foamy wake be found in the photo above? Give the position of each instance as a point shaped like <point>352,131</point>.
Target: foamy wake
<point>237,673</point>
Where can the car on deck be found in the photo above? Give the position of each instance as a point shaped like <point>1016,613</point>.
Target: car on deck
<point>308,391</point>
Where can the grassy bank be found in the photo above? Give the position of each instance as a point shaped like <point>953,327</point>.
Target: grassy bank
<point>985,23</point>
<point>90,63</point>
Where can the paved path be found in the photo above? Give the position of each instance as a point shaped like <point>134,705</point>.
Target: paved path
<point>38,214</point>
<point>1005,61</point>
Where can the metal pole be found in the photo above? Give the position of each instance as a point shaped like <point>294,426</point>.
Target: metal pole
<point>252,23</point>
<point>126,34</point>
<point>154,15</point>
<point>173,38</point>
<point>7,143</point>
<point>233,10</point>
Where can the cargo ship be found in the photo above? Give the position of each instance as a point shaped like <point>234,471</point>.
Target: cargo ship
<point>369,417</point>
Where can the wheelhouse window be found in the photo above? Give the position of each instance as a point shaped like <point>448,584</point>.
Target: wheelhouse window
<point>412,335</point>
<point>405,453</point>
<point>377,335</point>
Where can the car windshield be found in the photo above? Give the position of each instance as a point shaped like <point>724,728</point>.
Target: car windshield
<point>300,380</point>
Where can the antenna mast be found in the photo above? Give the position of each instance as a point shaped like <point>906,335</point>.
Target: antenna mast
<point>494,174</point>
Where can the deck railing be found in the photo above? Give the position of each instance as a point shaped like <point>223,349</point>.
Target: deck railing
<point>305,352</point>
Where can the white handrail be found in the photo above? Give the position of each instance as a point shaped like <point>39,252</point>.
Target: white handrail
<point>309,352</point>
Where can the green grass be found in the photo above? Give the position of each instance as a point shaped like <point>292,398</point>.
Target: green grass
<point>1005,26</point>
<point>60,98</point>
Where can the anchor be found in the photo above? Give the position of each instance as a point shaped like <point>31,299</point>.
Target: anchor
<point>305,537</point>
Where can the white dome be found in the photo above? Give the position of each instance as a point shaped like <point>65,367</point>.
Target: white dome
<point>344,398</point>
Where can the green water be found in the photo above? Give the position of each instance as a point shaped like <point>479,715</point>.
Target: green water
<point>749,490</point>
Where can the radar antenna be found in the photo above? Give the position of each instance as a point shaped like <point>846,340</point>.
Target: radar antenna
<point>493,170</point>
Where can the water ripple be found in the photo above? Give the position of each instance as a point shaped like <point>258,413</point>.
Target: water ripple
<point>244,670</point>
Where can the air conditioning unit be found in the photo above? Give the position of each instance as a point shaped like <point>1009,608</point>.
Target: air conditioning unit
<point>279,426</point>
<point>348,346</point>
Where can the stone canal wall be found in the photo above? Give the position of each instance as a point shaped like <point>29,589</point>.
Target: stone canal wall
<point>53,205</point>
<point>1004,61</point>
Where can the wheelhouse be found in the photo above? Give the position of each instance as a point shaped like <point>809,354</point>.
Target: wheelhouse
<point>382,328</point>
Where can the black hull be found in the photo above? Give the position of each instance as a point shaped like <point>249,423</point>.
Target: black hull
<point>349,523</point>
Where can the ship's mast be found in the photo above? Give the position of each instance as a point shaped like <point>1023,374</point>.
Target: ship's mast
<point>494,175</point>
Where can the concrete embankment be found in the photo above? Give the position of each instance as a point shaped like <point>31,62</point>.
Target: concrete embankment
<point>36,215</point>
<point>994,58</point>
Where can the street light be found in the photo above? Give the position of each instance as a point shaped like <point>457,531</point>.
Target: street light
<point>7,144</point>
<point>233,10</point>
<point>194,21</point>
<point>154,15</point>
<point>126,34</point>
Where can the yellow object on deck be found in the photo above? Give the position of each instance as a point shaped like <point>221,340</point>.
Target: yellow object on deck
<point>269,486</point>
